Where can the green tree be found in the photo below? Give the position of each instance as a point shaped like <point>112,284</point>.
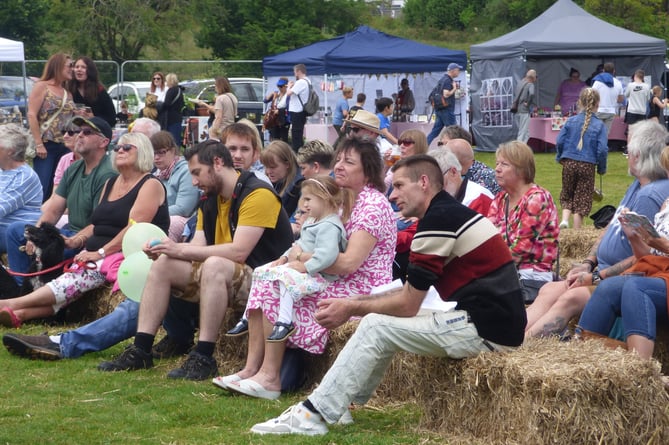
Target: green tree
<point>119,30</point>
<point>440,14</point>
<point>27,21</point>
<point>253,29</point>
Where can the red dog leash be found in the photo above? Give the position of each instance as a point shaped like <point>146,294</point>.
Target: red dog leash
<point>67,267</point>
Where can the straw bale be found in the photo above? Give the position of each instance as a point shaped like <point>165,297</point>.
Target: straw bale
<point>93,304</point>
<point>575,246</point>
<point>545,392</point>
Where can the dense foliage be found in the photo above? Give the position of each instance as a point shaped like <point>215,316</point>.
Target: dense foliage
<point>122,30</point>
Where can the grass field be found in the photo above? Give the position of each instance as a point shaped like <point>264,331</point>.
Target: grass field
<point>549,172</point>
<point>70,402</point>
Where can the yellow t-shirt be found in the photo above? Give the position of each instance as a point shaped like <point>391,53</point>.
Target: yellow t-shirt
<point>259,209</point>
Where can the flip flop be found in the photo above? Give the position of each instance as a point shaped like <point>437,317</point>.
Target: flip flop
<point>252,388</point>
<point>8,318</point>
<point>224,382</point>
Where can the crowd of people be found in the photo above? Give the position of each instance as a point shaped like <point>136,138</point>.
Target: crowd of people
<point>296,238</point>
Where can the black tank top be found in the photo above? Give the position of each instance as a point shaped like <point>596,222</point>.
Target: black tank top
<point>110,217</point>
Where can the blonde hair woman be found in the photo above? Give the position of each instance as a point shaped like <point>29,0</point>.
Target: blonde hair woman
<point>581,145</point>
<point>171,113</point>
<point>50,109</point>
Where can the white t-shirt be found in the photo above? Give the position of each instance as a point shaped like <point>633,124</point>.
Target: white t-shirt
<point>301,89</point>
<point>608,97</point>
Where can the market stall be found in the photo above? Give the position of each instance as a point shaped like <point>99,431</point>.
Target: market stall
<point>564,36</point>
<point>373,63</point>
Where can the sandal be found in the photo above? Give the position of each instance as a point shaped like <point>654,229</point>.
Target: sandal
<point>9,319</point>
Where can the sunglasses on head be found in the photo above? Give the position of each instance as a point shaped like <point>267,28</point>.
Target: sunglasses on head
<point>72,132</point>
<point>406,142</point>
<point>124,147</point>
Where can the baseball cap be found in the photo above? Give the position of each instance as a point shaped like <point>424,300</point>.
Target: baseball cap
<point>452,66</point>
<point>96,123</point>
<point>281,82</point>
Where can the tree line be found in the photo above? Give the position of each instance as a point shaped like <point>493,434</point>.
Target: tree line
<point>122,30</point>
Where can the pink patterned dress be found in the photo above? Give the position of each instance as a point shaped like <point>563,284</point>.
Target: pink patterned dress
<point>371,213</point>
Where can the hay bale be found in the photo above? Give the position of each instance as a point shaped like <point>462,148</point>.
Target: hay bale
<point>93,304</point>
<point>545,392</point>
<point>575,246</point>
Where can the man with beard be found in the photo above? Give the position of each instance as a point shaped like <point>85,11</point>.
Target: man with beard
<point>240,225</point>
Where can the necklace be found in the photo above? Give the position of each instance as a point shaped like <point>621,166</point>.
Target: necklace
<point>121,188</point>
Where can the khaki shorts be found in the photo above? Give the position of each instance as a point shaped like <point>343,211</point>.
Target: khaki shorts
<point>238,288</point>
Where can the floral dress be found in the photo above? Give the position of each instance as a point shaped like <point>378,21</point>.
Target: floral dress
<point>530,228</point>
<point>371,213</point>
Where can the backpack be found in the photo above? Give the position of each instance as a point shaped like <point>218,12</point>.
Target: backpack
<point>313,102</point>
<point>437,99</point>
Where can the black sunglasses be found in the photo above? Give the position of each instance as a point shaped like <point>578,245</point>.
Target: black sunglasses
<point>406,142</point>
<point>72,132</point>
<point>157,78</point>
<point>124,147</point>
<point>89,131</point>
<point>355,129</point>
<point>439,144</point>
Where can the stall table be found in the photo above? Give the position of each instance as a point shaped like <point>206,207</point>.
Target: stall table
<point>323,132</point>
<point>543,132</point>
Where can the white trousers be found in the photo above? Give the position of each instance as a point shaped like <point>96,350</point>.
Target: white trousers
<point>360,366</point>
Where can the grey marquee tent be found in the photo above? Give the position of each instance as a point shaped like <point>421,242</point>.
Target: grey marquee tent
<point>564,36</point>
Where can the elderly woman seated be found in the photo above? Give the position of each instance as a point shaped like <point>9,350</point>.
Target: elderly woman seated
<point>21,196</point>
<point>134,195</point>
<point>526,216</point>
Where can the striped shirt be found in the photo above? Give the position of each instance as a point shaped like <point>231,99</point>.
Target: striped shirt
<point>20,195</point>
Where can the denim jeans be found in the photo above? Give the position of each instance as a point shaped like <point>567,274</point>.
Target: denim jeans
<point>102,333</point>
<point>298,121</point>
<point>443,118</point>
<point>640,301</point>
<point>19,261</point>
<point>45,168</point>
<point>362,363</point>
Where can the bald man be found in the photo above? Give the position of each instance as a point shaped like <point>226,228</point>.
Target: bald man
<point>473,170</point>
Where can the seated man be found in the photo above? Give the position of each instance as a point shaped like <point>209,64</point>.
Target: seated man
<point>240,226</point>
<point>473,170</point>
<point>78,192</point>
<point>121,324</point>
<point>473,268</point>
<point>470,194</point>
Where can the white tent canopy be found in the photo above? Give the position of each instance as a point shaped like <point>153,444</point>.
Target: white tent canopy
<point>11,51</point>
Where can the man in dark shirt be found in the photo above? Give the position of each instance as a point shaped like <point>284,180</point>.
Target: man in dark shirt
<point>457,251</point>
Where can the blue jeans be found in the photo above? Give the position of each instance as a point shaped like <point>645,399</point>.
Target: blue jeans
<point>175,131</point>
<point>102,333</point>
<point>641,302</point>
<point>19,261</point>
<point>444,118</point>
<point>121,324</point>
<point>45,168</point>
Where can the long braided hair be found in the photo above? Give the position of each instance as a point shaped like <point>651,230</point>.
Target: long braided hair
<point>588,101</point>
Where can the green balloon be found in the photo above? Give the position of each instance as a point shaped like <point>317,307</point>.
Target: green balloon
<point>138,235</point>
<point>132,275</point>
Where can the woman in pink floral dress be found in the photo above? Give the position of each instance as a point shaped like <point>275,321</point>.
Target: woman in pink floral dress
<point>525,215</point>
<point>366,263</point>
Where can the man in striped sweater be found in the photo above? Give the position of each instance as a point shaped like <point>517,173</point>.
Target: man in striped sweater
<point>462,255</point>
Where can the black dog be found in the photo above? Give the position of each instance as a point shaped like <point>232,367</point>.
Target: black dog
<point>49,248</point>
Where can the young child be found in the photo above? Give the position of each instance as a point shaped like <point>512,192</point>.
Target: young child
<point>322,237</point>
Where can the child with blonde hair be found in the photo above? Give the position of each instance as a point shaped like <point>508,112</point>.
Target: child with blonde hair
<point>581,146</point>
<point>322,237</point>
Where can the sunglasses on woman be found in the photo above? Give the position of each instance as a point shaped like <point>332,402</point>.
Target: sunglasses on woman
<point>125,147</point>
<point>406,142</point>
